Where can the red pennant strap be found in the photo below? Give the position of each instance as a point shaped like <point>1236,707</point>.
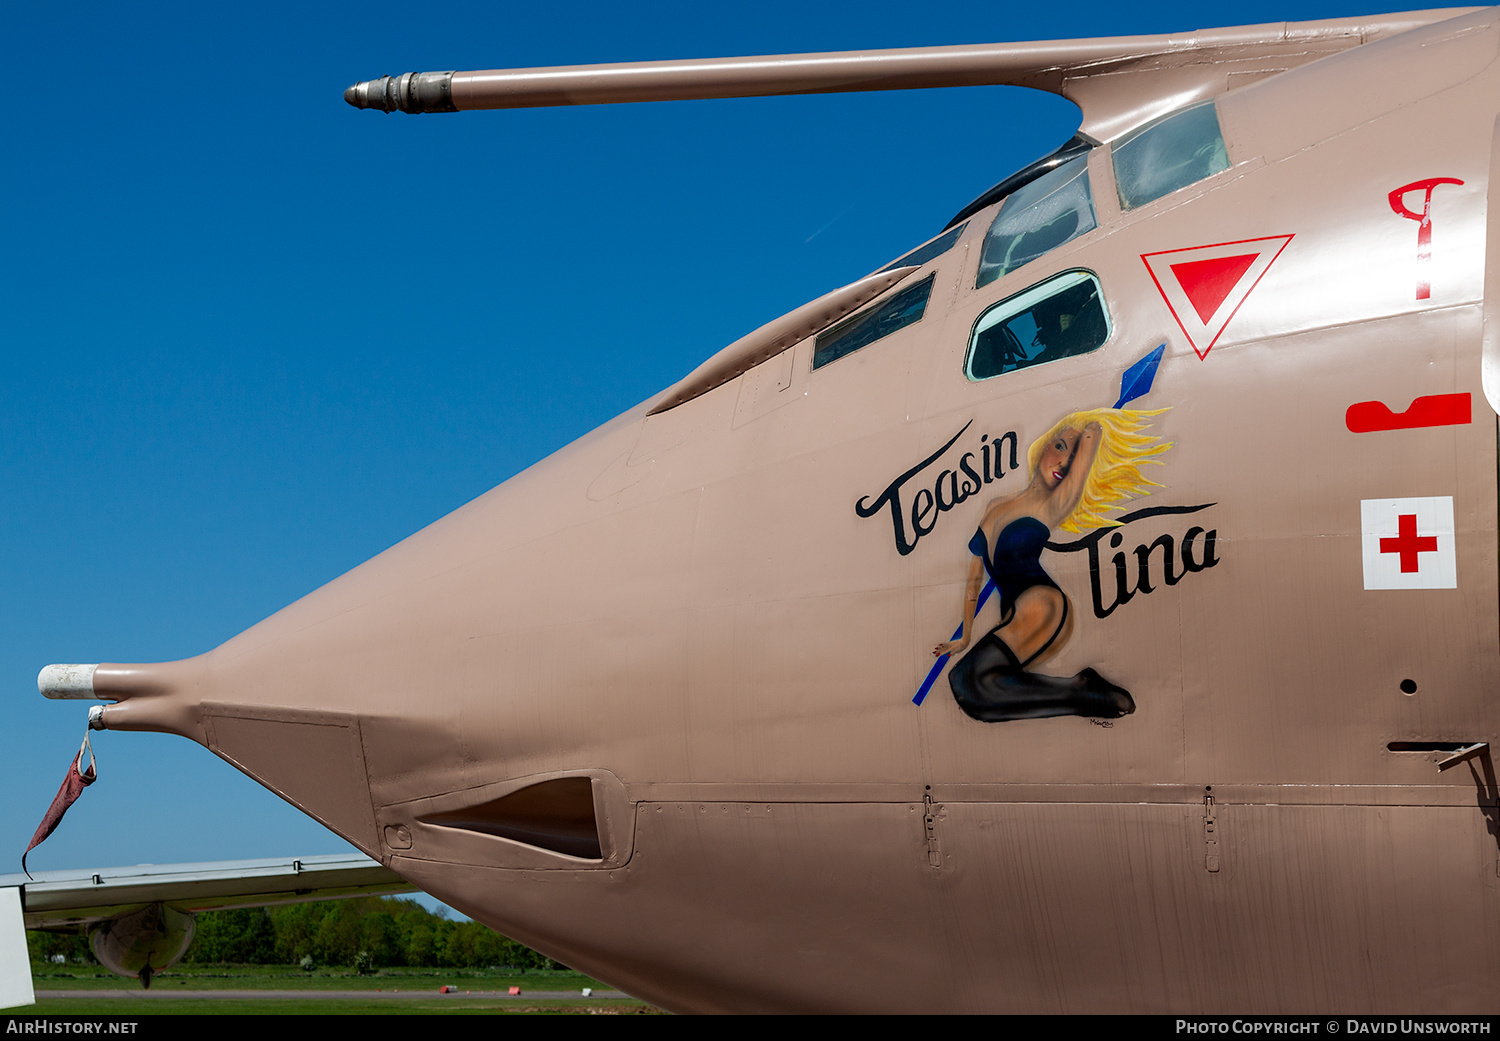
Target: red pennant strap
<point>72,787</point>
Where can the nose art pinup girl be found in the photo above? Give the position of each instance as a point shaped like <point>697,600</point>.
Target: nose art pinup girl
<point>1085,465</point>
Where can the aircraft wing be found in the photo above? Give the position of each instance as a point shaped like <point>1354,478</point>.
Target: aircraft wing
<point>74,901</point>
<point>70,900</point>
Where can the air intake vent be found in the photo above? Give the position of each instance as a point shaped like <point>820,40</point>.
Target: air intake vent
<point>557,815</point>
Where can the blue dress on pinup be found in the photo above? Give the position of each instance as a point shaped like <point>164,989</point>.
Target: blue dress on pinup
<point>1016,563</point>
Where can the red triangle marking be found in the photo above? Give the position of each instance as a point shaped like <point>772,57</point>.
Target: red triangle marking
<point>1208,282</point>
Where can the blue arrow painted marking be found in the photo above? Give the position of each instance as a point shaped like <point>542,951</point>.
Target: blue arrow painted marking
<point>1136,383</point>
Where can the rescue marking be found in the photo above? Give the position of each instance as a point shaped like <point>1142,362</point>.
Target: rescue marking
<point>1409,543</point>
<point>1432,410</point>
<point>1424,225</point>
<point>1205,286</point>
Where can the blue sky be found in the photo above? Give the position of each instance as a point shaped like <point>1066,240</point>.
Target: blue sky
<point>252,337</point>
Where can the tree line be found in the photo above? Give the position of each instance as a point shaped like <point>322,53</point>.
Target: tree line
<point>363,933</point>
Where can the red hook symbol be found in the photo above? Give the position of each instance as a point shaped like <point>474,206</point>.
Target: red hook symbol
<point>1424,224</point>
<point>1398,197</point>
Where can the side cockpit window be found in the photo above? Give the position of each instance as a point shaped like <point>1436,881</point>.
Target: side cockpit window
<point>1169,153</point>
<point>901,310</point>
<point>922,254</point>
<point>1037,218</point>
<point>1059,318</point>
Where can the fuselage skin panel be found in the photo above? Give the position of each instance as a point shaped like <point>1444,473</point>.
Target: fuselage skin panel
<point>688,609</point>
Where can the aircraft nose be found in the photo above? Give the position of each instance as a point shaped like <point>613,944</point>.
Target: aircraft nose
<point>459,663</point>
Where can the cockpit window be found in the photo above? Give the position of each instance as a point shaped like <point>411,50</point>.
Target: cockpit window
<point>1037,218</point>
<point>1169,153</point>
<point>1078,145</point>
<point>878,322</point>
<point>922,254</point>
<point>1059,318</point>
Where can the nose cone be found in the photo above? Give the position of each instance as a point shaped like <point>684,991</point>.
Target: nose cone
<point>374,93</point>
<point>487,647</point>
<point>412,92</point>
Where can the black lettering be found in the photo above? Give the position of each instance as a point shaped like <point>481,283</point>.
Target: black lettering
<point>1123,592</point>
<point>1210,541</point>
<point>1143,564</point>
<point>1100,611</point>
<point>1009,435</point>
<point>947,480</point>
<point>968,469</point>
<point>920,513</point>
<point>892,497</point>
<point>921,510</point>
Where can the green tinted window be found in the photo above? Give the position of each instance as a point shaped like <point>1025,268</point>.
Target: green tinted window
<point>1059,318</point>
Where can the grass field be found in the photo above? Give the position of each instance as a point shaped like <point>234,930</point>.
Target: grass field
<point>289,977</point>
<point>233,989</point>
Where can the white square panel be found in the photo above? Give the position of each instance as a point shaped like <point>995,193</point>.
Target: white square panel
<point>1409,543</point>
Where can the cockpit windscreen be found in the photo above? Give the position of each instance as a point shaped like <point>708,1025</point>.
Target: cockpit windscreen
<point>1036,219</point>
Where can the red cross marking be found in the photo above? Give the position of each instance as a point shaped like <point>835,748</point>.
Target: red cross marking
<point>1407,543</point>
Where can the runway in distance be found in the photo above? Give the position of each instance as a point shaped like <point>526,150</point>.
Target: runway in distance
<point>1177,449</point>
